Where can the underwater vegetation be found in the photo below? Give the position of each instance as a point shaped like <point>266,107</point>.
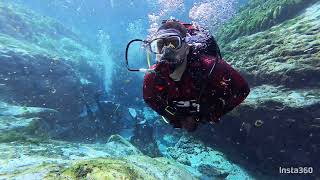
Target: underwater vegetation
<point>115,159</point>
<point>260,15</point>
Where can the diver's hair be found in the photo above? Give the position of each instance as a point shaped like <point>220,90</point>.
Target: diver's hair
<point>174,25</point>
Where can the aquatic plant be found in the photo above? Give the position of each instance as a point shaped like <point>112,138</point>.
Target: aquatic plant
<point>259,15</point>
<point>103,168</point>
<point>281,55</point>
<point>22,137</point>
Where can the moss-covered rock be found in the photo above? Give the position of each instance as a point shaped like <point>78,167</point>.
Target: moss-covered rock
<point>287,54</point>
<point>107,168</point>
<point>22,137</point>
<point>132,167</point>
<point>164,168</point>
<point>259,15</point>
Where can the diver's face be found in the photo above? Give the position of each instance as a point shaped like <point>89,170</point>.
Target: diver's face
<point>174,56</point>
<point>170,47</point>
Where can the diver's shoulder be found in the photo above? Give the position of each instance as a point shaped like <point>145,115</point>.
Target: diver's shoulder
<point>207,61</point>
<point>149,75</point>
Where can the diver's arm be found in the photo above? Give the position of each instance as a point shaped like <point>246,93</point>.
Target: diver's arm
<point>150,97</point>
<point>156,102</point>
<point>233,89</point>
<point>239,88</point>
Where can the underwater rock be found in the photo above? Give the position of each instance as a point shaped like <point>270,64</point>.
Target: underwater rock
<point>36,173</point>
<point>28,124</point>
<point>132,167</point>
<point>210,163</point>
<point>133,113</point>
<point>281,65</point>
<point>170,139</point>
<point>287,116</point>
<point>25,112</point>
<point>260,15</point>
<point>39,32</point>
<point>66,160</point>
<point>163,168</point>
<point>121,147</point>
<point>286,54</point>
<point>101,169</point>
<point>26,158</point>
<point>44,64</point>
<point>279,98</point>
<point>211,171</point>
<point>38,81</point>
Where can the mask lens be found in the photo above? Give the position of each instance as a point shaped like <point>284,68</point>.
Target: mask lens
<point>160,44</point>
<point>173,42</point>
<point>156,45</point>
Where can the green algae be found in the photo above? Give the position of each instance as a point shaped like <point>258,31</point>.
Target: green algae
<point>28,134</point>
<point>286,54</point>
<point>102,168</point>
<point>23,137</point>
<point>259,15</point>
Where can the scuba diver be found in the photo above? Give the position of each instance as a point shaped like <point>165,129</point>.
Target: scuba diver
<point>190,82</point>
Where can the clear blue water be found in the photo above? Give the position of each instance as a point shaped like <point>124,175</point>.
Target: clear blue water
<point>114,17</point>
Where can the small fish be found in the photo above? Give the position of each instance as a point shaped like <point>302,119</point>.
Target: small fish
<point>127,81</point>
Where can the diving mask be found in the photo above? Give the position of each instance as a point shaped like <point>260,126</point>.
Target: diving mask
<point>166,39</point>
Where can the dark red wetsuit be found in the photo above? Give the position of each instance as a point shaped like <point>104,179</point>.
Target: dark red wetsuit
<point>225,88</point>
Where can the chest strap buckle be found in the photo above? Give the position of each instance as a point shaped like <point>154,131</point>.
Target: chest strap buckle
<point>170,110</point>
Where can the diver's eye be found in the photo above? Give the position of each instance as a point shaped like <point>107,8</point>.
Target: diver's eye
<point>160,44</point>
<point>173,42</point>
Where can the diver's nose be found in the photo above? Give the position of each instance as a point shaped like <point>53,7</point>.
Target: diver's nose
<point>167,52</point>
